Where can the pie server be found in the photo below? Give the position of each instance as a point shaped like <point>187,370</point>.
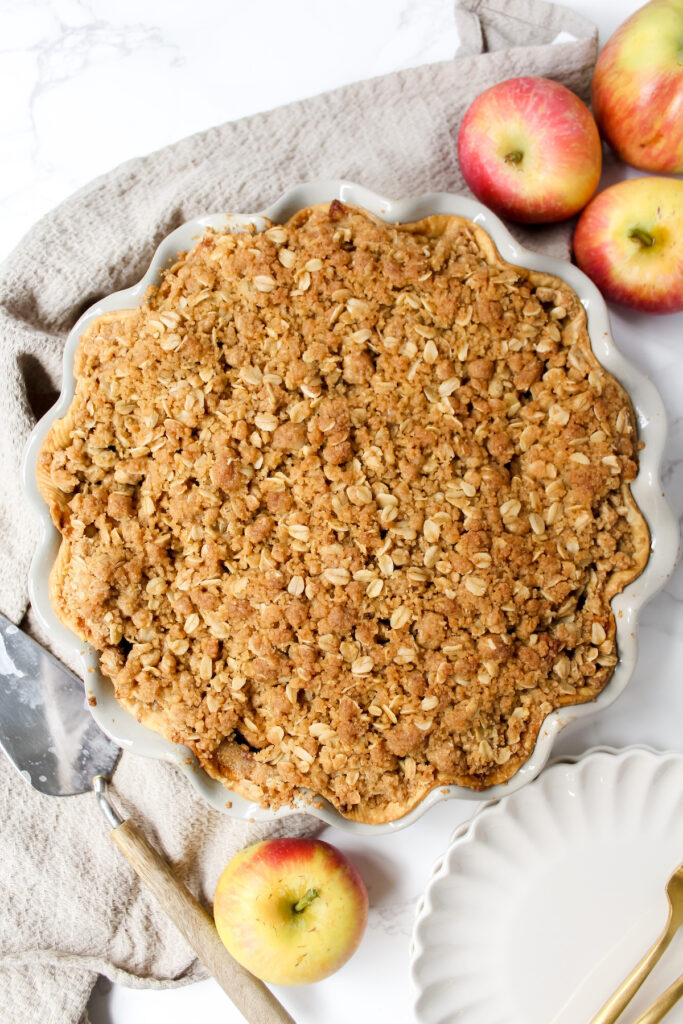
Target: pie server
<point>51,738</point>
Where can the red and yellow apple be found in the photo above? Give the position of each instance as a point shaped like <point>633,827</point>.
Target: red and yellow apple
<point>638,88</point>
<point>530,149</point>
<point>629,240</point>
<point>291,911</point>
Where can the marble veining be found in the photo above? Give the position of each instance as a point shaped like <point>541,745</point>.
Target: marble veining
<point>86,84</point>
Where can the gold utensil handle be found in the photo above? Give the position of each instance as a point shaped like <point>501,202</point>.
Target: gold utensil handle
<point>630,985</point>
<point>252,998</point>
<point>626,991</point>
<point>663,1004</point>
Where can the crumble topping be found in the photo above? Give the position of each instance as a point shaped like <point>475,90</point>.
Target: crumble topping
<point>343,508</point>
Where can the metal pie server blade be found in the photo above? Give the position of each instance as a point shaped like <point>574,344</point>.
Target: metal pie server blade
<point>48,733</point>
<point>46,729</point>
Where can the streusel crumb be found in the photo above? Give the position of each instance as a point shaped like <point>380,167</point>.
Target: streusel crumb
<point>344,505</point>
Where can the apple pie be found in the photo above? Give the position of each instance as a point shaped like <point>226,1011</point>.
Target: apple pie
<point>343,507</point>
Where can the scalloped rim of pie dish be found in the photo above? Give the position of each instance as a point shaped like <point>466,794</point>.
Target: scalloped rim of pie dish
<point>654,529</point>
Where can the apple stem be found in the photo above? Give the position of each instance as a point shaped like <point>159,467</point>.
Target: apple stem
<point>306,900</point>
<point>513,157</point>
<point>643,236</point>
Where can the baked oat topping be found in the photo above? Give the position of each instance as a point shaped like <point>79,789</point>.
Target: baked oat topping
<point>343,507</point>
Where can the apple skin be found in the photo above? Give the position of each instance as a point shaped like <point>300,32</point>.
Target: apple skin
<point>254,910</point>
<point>645,277</point>
<point>638,88</point>
<point>552,137</point>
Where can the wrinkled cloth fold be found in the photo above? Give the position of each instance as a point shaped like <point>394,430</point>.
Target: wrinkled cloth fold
<point>73,909</point>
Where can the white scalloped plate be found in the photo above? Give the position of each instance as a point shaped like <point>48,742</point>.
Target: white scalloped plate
<point>545,902</point>
<point>647,491</point>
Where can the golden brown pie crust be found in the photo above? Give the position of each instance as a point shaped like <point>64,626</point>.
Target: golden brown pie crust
<point>343,507</point>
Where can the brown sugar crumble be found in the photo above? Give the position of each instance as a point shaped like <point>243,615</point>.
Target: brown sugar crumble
<point>343,507</point>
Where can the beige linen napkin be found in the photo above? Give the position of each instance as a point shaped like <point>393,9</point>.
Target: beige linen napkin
<point>71,906</point>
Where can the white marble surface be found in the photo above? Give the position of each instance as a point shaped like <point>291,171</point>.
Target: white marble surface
<point>73,74</point>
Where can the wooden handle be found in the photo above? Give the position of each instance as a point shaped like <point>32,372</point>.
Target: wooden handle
<point>663,1004</point>
<point>632,982</point>
<point>255,1002</point>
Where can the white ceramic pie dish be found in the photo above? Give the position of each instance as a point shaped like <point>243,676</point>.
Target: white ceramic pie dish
<point>647,491</point>
<point>542,904</point>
